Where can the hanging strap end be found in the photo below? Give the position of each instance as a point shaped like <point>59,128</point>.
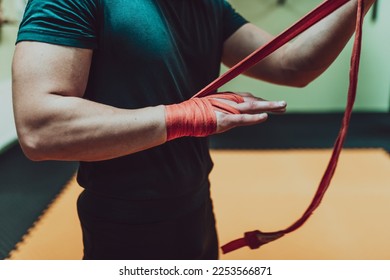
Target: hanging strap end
<point>252,239</point>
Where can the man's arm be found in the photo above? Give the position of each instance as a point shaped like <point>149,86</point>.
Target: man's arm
<point>55,122</point>
<point>301,61</point>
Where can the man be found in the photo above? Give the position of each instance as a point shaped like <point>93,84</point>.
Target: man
<point>107,83</point>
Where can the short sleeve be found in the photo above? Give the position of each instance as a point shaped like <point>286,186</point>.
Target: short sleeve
<point>63,22</point>
<point>232,20</point>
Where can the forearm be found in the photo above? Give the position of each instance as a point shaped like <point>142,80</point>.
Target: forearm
<point>72,128</point>
<point>315,50</point>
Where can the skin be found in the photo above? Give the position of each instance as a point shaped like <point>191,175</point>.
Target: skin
<point>55,122</point>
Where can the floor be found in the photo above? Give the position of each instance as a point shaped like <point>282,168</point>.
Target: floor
<point>266,190</point>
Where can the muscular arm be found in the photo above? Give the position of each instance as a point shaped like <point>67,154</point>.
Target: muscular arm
<point>55,122</point>
<point>301,61</point>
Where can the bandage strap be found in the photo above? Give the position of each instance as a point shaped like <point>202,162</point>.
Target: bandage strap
<point>255,239</point>
<point>197,117</point>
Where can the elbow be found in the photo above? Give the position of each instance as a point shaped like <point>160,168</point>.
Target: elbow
<point>300,83</point>
<point>32,146</point>
<point>300,75</point>
<point>31,151</point>
<point>300,79</point>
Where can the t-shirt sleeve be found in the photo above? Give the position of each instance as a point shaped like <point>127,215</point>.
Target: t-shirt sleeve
<point>62,22</point>
<point>232,20</point>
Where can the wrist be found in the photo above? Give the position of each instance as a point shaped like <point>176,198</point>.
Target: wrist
<point>194,117</point>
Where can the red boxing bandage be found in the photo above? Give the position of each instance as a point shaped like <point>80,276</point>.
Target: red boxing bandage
<point>196,116</point>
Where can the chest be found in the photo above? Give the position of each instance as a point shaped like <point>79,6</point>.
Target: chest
<point>160,28</point>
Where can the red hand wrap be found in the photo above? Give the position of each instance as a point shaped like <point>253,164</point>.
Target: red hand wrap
<point>196,117</point>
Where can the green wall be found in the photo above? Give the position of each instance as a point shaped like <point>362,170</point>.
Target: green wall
<point>12,11</point>
<point>7,41</point>
<point>327,93</point>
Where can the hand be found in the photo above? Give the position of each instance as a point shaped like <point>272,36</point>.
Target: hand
<point>216,113</point>
<point>252,110</point>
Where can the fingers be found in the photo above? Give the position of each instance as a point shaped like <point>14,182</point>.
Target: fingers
<point>253,110</point>
<point>228,121</point>
<point>245,94</point>
<point>256,105</point>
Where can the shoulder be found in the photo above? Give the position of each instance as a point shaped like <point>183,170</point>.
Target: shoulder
<point>64,22</point>
<point>62,3</point>
<point>57,8</point>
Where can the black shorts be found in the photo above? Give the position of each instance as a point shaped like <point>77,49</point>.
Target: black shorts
<point>113,230</point>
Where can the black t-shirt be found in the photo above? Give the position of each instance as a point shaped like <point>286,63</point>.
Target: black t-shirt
<point>146,53</point>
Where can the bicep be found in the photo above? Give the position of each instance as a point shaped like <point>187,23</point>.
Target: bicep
<point>39,69</point>
<point>42,74</point>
